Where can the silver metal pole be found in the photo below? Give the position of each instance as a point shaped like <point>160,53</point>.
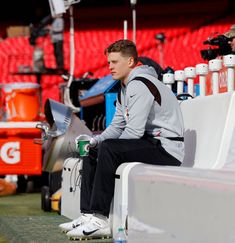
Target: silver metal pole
<point>134,23</point>
<point>133,4</point>
<point>125,29</point>
<point>67,100</point>
<point>72,46</point>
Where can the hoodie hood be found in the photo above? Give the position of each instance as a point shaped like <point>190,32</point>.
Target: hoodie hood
<point>140,70</point>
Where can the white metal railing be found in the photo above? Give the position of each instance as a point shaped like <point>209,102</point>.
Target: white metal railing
<point>213,74</point>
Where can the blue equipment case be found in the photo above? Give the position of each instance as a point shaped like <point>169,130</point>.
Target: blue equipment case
<point>102,92</point>
<point>110,99</point>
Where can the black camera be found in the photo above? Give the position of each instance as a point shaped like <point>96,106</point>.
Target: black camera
<point>39,30</point>
<point>223,47</point>
<point>35,33</point>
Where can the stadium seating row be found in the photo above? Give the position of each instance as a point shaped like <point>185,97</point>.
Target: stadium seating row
<point>182,40</point>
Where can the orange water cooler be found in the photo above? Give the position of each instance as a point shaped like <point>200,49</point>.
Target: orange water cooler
<point>19,154</point>
<point>22,101</point>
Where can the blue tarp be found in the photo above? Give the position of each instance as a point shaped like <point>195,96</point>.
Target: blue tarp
<point>102,86</point>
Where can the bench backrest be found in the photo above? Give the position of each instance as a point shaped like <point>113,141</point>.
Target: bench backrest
<point>209,131</point>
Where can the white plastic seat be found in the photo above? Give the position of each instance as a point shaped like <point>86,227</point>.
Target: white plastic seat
<point>209,129</point>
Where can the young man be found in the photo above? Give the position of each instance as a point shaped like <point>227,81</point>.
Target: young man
<point>147,127</point>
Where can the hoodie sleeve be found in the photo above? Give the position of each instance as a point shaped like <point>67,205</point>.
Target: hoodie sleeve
<point>116,127</point>
<point>138,104</point>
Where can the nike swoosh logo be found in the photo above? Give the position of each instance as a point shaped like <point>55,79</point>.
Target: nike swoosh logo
<point>89,232</point>
<point>76,225</point>
<point>132,96</point>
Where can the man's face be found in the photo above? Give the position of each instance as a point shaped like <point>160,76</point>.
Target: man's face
<point>119,66</point>
<point>232,44</point>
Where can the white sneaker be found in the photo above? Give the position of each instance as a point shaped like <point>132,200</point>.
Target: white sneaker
<point>65,227</point>
<point>95,228</point>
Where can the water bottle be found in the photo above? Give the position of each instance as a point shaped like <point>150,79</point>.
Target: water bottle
<point>120,237</point>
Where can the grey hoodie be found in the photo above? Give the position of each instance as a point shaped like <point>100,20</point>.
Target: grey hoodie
<point>138,113</point>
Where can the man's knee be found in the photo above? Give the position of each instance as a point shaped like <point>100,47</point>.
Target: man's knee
<point>104,144</point>
<point>108,145</point>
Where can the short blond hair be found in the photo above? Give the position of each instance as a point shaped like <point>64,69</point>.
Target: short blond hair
<point>126,47</point>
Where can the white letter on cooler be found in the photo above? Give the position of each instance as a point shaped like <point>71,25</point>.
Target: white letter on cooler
<point>10,153</point>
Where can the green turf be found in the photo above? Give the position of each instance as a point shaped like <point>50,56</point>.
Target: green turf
<point>3,239</point>
<point>22,204</point>
<point>23,221</point>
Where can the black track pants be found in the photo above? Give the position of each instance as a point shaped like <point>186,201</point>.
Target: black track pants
<point>98,176</point>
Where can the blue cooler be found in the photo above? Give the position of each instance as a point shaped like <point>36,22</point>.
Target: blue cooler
<point>110,99</point>
<point>104,91</point>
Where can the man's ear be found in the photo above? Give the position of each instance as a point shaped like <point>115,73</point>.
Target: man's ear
<point>131,62</point>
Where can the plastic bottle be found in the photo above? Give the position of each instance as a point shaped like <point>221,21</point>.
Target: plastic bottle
<point>120,237</point>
